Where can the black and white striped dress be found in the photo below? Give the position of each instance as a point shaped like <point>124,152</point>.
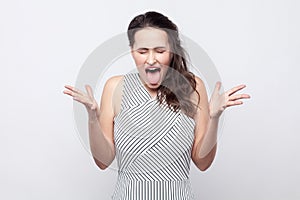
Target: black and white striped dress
<point>153,147</point>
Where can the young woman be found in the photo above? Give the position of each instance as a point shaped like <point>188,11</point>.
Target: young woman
<point>156,120</point>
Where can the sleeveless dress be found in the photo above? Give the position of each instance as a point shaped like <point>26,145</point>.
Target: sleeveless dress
<point>153,147</point>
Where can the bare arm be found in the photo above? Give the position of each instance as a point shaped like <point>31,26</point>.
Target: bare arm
<point>100,121</point>
<point>201,129</point>
<point>207,120</point>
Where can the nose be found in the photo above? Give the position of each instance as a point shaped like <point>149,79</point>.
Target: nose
<point>151,58</point>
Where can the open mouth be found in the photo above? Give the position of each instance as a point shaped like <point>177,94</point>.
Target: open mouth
<point>152,70</point>
<point>153,75</point>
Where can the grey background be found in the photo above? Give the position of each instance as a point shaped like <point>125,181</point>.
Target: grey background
<point>44,43</point>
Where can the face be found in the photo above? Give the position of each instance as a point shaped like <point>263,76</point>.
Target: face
<point>152,56</point>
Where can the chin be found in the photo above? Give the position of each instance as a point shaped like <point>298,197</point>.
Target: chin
<point>152,86</point>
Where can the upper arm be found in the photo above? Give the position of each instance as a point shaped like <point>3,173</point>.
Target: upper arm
<point>108,105</point>
<point>202,116</point>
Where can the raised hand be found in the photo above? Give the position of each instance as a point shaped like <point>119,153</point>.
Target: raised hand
<point>87,99</point>
<point>219,102</point>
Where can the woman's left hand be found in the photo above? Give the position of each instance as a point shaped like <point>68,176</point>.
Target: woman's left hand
<point>219,102</point>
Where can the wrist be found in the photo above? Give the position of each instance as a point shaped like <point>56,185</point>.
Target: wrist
<point>215,114</point>
<point>92,116</point>
<point>214,117</point>
<point>93,119</point>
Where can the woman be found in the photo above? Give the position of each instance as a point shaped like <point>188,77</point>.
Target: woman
<point>157,120</point>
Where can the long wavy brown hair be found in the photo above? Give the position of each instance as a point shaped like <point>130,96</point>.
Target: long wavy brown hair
<point>179,83</point>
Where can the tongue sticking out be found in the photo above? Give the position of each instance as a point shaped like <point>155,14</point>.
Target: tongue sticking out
<point>153,76</point>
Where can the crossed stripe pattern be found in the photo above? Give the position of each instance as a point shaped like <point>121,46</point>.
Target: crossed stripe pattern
<point>153,147</point>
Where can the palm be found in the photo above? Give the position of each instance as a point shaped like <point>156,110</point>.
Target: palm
<point>219,102</point>
<point>87,99</point>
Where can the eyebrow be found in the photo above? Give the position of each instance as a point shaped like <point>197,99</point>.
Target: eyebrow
<point>144,48</point>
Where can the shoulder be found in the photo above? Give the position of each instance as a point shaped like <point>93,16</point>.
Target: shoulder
<point>199,84</point>
<point>200,90</point>
<point>114,80</point>
<point>111,85</point>
<point>200,99</point>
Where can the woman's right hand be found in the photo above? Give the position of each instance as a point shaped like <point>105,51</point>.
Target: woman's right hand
<point>87,99</point>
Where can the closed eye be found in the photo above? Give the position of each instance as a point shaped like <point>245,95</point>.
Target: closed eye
<point>157,50</point>
<point>160,50</point>
<point>142,51</point>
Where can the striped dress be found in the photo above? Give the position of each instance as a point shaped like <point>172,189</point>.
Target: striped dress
<point>153,147</point>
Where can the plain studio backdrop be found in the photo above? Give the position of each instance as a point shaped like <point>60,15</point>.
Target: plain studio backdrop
<point>43,45</point>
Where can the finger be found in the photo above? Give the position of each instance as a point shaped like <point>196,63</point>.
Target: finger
<point>89,91</point>
<point>234,103</point>
<point>217,88</point>
<point>69,87</point>
<point>73,89</point>
<point>234,90</point>
<point>80,98</point>
<point>68,92</point>
<point>239,96</point>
